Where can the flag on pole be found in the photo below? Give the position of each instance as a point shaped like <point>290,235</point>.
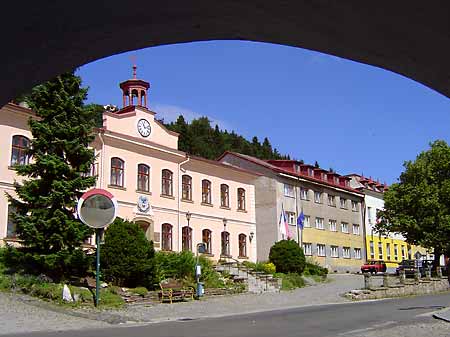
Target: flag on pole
<point>300,220</point>
<point>284,226</point>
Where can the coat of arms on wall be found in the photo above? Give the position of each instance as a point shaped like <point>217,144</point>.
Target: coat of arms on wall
<point>143,204</point>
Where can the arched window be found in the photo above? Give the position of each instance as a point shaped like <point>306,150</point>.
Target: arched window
<point>117,171</point>
<point>224,196</point>
<point>225,244</point>
<point>166,237</point>
<point>241,199</point>
<point>143,178</point>
<point>186,188</point>
<point>206,239</point>
<point>167,183</point>
<point>206,191</point>
<point>20,144</point>
<point>186,238</point>
<point>242,245</point>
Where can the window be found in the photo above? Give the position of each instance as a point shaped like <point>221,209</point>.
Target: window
<point>388,250</point>
<point>225,244</point>
<point>186,187</point>
<point>206,192</point>
<point>241,199</point>
<point>403,253</point>
<point>320,250</point>
<point>242,245</point>
<point>343,203</point>
<point>355,206</point>
<point>332,225</point>
<point>344,227</point>
<point>167,183</point>
<point>11,226</point>
<point>372,250</point>
<point>206,238</point>
<point>117,168</point>
<point>395,251</point>
<point>304,194</point>
<point>319,223</point>
<point>307,248</point>
<point>356,229</point>
<point>380,251</point>
<point>166,240</point>
<point>186,238</point>
<point>334,251</point>
<point>357,253</point>
<point>369,214</point>
<point>346,252</point>
<point>317,197</point>
<point>20,145</point>
<point>307,222</point>
<point>291,218</point>
<point>143,178</point>
<point>289,191</point>
<point>224,196</point>
<point>331,200</point>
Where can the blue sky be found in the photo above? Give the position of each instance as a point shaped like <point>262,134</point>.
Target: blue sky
<point>349,116</point>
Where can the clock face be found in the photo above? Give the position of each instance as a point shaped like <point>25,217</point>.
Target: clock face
<point>143,127</point>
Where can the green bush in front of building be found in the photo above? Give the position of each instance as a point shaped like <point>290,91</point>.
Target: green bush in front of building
<point>287,257</point>
<point>127,257</point>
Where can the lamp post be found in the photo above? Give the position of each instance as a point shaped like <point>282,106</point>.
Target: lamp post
<point>189,238</point>
<point>252,234</point>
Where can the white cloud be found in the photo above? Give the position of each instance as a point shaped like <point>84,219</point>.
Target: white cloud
<point>171,112</point>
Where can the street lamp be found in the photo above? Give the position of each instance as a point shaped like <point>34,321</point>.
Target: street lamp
<point>251,236</point>
<point>189,238</point>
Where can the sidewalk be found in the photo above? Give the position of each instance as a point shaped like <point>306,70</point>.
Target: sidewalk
<point>21,314</point>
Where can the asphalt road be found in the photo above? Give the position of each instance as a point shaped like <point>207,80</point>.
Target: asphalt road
<point>320,321</point>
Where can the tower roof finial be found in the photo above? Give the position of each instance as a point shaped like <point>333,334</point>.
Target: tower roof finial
<point>133,59</point>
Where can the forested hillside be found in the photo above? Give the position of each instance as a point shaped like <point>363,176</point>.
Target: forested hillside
<point>201,139</point>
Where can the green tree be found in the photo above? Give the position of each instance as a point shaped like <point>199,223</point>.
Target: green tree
<point>418,206</point>
<point>54,178</point>
<point>266,149</point>
<point>287,256</point>
<point>127,257</point>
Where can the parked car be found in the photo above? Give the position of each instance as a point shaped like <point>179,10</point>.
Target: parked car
<point>409,266</point>
<point>374,267</point>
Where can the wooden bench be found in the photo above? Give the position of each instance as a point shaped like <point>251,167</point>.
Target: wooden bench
<point>175,291</point>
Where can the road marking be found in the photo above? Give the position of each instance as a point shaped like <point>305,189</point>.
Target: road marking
<point>373,327</point>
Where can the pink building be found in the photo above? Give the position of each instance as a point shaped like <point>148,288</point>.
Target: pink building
<point>179,200</point>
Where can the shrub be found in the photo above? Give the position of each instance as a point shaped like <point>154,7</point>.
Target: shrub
<point>127,257</point>
<point>287,257</point>
<point>142,291</point>
<point>313,268</point>
<point>290,281</point>
<point>269,268</point>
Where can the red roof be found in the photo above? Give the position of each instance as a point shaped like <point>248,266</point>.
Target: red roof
<point>277,169</point>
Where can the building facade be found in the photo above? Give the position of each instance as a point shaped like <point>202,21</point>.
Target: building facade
<point>391,248</point>
<point>177,199</point>
<point>333,234</point>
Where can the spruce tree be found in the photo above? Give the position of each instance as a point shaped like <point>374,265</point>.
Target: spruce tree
<point>55,176</point>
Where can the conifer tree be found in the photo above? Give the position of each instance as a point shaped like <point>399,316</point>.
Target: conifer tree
<point>55,176</point>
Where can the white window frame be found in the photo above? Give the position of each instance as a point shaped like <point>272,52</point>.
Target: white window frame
<point>334,251</point>
<point>321,249</point>
<point>380,250</point>
<point>307,248</point>
<point>303,193</point>
<point>388,251</point>
<point>332,224</point>
<point>355,206</point>
<point>357,253</point>
<point>317,197</point>
<point>395,251</point>
<point>307,221</point>
<point>343,203</point>
<point>344,227</point>
<point>289,191</point>
<point>319,223</point>
<point>290,216</point>
<point>372,249</point>
<point>369,214</point>
<point>346,252</point>
<point>331,200</point>
<point>356,229</point>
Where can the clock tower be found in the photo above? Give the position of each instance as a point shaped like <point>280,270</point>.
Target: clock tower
<point>134,91</point>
